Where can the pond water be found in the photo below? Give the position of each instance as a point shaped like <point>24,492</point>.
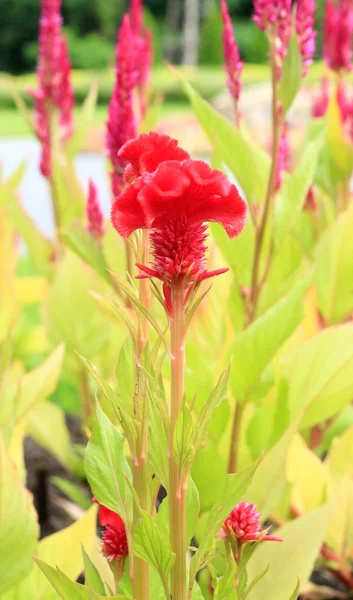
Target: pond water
<point>34,193</point>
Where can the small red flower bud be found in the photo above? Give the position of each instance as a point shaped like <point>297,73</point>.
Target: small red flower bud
<point>244,523</point>
<point>114,535</point>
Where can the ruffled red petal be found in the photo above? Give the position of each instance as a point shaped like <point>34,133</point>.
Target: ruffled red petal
<point>193,190</point>
<point>127,214</point>
<point>149,150</point>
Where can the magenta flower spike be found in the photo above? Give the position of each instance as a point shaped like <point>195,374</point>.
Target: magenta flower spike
<point>232,63</point>
<point>338,31</point>
<point>121,125</point>
<point>304,23</point>
<point>54,85</point>
<point>94,214</point>
<point>283,161</point>
<point>274,17</point>
<point>321,100</point>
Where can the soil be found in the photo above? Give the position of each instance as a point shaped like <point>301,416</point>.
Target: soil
<point>41,467</point>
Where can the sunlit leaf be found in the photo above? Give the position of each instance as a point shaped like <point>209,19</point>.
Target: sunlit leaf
<point>18,524</point>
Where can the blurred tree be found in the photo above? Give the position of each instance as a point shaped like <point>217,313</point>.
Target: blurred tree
<point>191,32</point>
<point>211,49</point>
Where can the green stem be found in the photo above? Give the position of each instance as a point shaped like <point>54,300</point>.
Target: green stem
<point>177,484</point>
<point>256,281</point>
<point>276,135</point>
<point>140,576</point>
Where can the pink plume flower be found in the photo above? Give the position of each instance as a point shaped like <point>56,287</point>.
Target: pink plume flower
<point>274,16</point>
<point>338,30</point>
<point>121,125</point>
<point>244,523</point>
<point>136,16</point>
<point>304,23</point>
<point>321,100</point>
<point>94,214</point>
<point>54,86</point>
<point>232,63</point>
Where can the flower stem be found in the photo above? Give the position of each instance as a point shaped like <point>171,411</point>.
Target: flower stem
<point>177,484</point>
<point>140,578</point>
<point>276,135</point>
<point>256,281</point>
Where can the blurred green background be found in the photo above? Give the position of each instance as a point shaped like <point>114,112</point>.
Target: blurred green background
<point>186,32</point>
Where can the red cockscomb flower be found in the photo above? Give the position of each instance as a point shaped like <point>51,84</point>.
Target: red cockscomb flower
<point>244,523</point>
<point>174,197</point>
<point>114,535</point>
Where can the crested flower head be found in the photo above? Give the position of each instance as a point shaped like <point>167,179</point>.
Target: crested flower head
<point>232,63</point>
<point>114,534</point>
<point>121,124</point>
<point>174,197</point>
<point>94,213</point>
<point>274,17</point>
<point>304,23</point>
<point>338,30</point>
<point>244,523</point>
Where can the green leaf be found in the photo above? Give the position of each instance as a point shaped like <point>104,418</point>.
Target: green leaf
<point>235,249</point>
<point>334,269</point>
<point>40,248</point>
<point>67,589</point>
<point>340,457</point>
<point>83,122</point>
<point>294,596</point>
<point>150,545</point>
<point>14,180</point>
<point>213,401</point>
<point>293,191</point>
<point>72,491</point>
<point>294,557</point>
<point>18,524</point>
<point>291,74</point>
<point>92,577</point>
<point>157,438</point>
<point>255,581</point>
<point>126,376</point>
<point>42,420</point>
<point>71,312</point>
<point>319,375</point>
<point>106,468</point>
<point>225,585</point>
<point>240,154</point>
<point>41,382</point>
<point>183,449</point>
<point>79,240</point>
<point>254,348</point>
<point>269,479</point>
<point>339,147</point>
